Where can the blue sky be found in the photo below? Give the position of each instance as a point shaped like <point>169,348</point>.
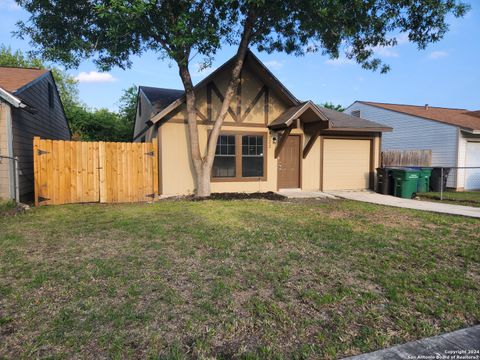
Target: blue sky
<point>445,74</point>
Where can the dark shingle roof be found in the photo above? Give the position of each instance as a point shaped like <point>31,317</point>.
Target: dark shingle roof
<point>160,98</point>
<point>340,120</point>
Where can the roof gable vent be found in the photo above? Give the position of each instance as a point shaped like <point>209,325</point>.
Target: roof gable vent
<point>355,113</point>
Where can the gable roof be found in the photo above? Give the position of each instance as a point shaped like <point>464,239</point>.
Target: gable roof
<point>287,118</point>
<point>250,60</point>
<point>342,121</point>
<point>13,79</point>
<point>469,120</point>
<point>160,98</point>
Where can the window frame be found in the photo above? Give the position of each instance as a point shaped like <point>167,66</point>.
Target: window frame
<point>238,157</point>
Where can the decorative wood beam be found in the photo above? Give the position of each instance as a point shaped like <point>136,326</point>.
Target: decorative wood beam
<point>239,98</point>
<point>201,116</point>
<point>220,96</point>
<point>310,144</point>
<point>282,141</point>
<point>253,103</point>
<point>265,105</point>
<point>209,102</point>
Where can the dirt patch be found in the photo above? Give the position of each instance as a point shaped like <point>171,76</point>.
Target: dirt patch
<point>269,195</point>
<point>13,209</point>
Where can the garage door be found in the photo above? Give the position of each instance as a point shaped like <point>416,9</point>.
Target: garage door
<point>346,164</point>
<point>472,176</point>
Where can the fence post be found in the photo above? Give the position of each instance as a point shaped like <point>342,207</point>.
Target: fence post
<point>441,183</point>
<point>17,185</point>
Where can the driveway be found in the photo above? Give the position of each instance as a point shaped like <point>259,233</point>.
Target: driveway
<point>374,198</point>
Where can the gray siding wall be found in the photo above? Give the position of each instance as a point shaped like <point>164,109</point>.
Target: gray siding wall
<point>142,116</point>
<point>412,133</point>
<point>47,122</point>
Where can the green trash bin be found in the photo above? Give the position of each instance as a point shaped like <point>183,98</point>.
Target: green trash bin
<point>406,182</point>
<point>424,180</point>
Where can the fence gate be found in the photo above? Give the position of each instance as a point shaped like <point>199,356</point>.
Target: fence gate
<point>79,171</point>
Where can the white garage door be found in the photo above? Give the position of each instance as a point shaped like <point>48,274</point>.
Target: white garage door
<point>346,164</point>
<point>472,176</point>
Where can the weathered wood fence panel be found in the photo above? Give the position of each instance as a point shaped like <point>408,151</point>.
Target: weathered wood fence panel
<point>407,158</point>
<point>79,172</point>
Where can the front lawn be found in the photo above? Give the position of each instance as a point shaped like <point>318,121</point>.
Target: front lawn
<point>246,278</point>
<point>468,198</point>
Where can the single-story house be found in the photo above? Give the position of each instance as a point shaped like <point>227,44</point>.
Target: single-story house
<point>453,135</point>
<point>29,106</point>
<point>270,140</point>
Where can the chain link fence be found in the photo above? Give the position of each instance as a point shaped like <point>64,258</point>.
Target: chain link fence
<point>9,182</point>
<point>443,180</point>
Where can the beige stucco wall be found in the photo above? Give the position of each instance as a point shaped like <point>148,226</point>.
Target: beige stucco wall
<point>4,163</point>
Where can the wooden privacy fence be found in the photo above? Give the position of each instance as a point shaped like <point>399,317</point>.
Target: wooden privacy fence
<point>107,172</point>
<point>407,158</point>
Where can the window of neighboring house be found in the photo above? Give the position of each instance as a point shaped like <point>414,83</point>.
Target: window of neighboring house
<point>50,95</point>
<point>252,156</point>
<point>139,106</point>
<point>355,113</point>
<point>224,164</point>
<point>239,157</point>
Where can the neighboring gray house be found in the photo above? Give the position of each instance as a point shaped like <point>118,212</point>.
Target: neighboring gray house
<point>29,106</point>
<point>453,135</point>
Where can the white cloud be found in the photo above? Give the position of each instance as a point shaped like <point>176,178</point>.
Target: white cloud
<point>94,77</point>
<point>384,51</point>
<point>437,55</point>
<point>9,5</point>
<point>342,60</point>
<point>273,64</point>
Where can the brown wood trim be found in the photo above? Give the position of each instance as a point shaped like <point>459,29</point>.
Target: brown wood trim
<point>160,171</point>
<point>220,96</point>
<point>282,141</point>
<point>209,102</point>
<point>238,157</point>
<point>310,144</point>
<point>200,115</point>
<point>239,98</point>
<point>371,180</point>
<point>266,105</point>
<point>225,123</point>
<point>253,103</point>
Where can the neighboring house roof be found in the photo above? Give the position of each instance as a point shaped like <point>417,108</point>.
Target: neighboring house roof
<point>13,79</point>
<point>340,120</point>
<point>469,120</point>
<point>10,98</point>
<point>160,98</point>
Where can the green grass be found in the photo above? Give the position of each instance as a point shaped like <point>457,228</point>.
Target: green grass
<point>6,206</point>
<point>468,198</point>
<point>245,279</point>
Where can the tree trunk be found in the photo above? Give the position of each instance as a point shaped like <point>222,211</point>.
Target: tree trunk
<point>203,165</point>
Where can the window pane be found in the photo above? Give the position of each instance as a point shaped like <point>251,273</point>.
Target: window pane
<point>252,156</point>
<point>223,166</point>
<point>252,166</point>
<point>224,162</point>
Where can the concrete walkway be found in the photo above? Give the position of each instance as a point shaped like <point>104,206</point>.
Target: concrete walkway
<point>374,198</point>
<point>300,194</point>
<point>454,345</point>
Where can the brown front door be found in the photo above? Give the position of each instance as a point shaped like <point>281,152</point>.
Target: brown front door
<point>289,164</point>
